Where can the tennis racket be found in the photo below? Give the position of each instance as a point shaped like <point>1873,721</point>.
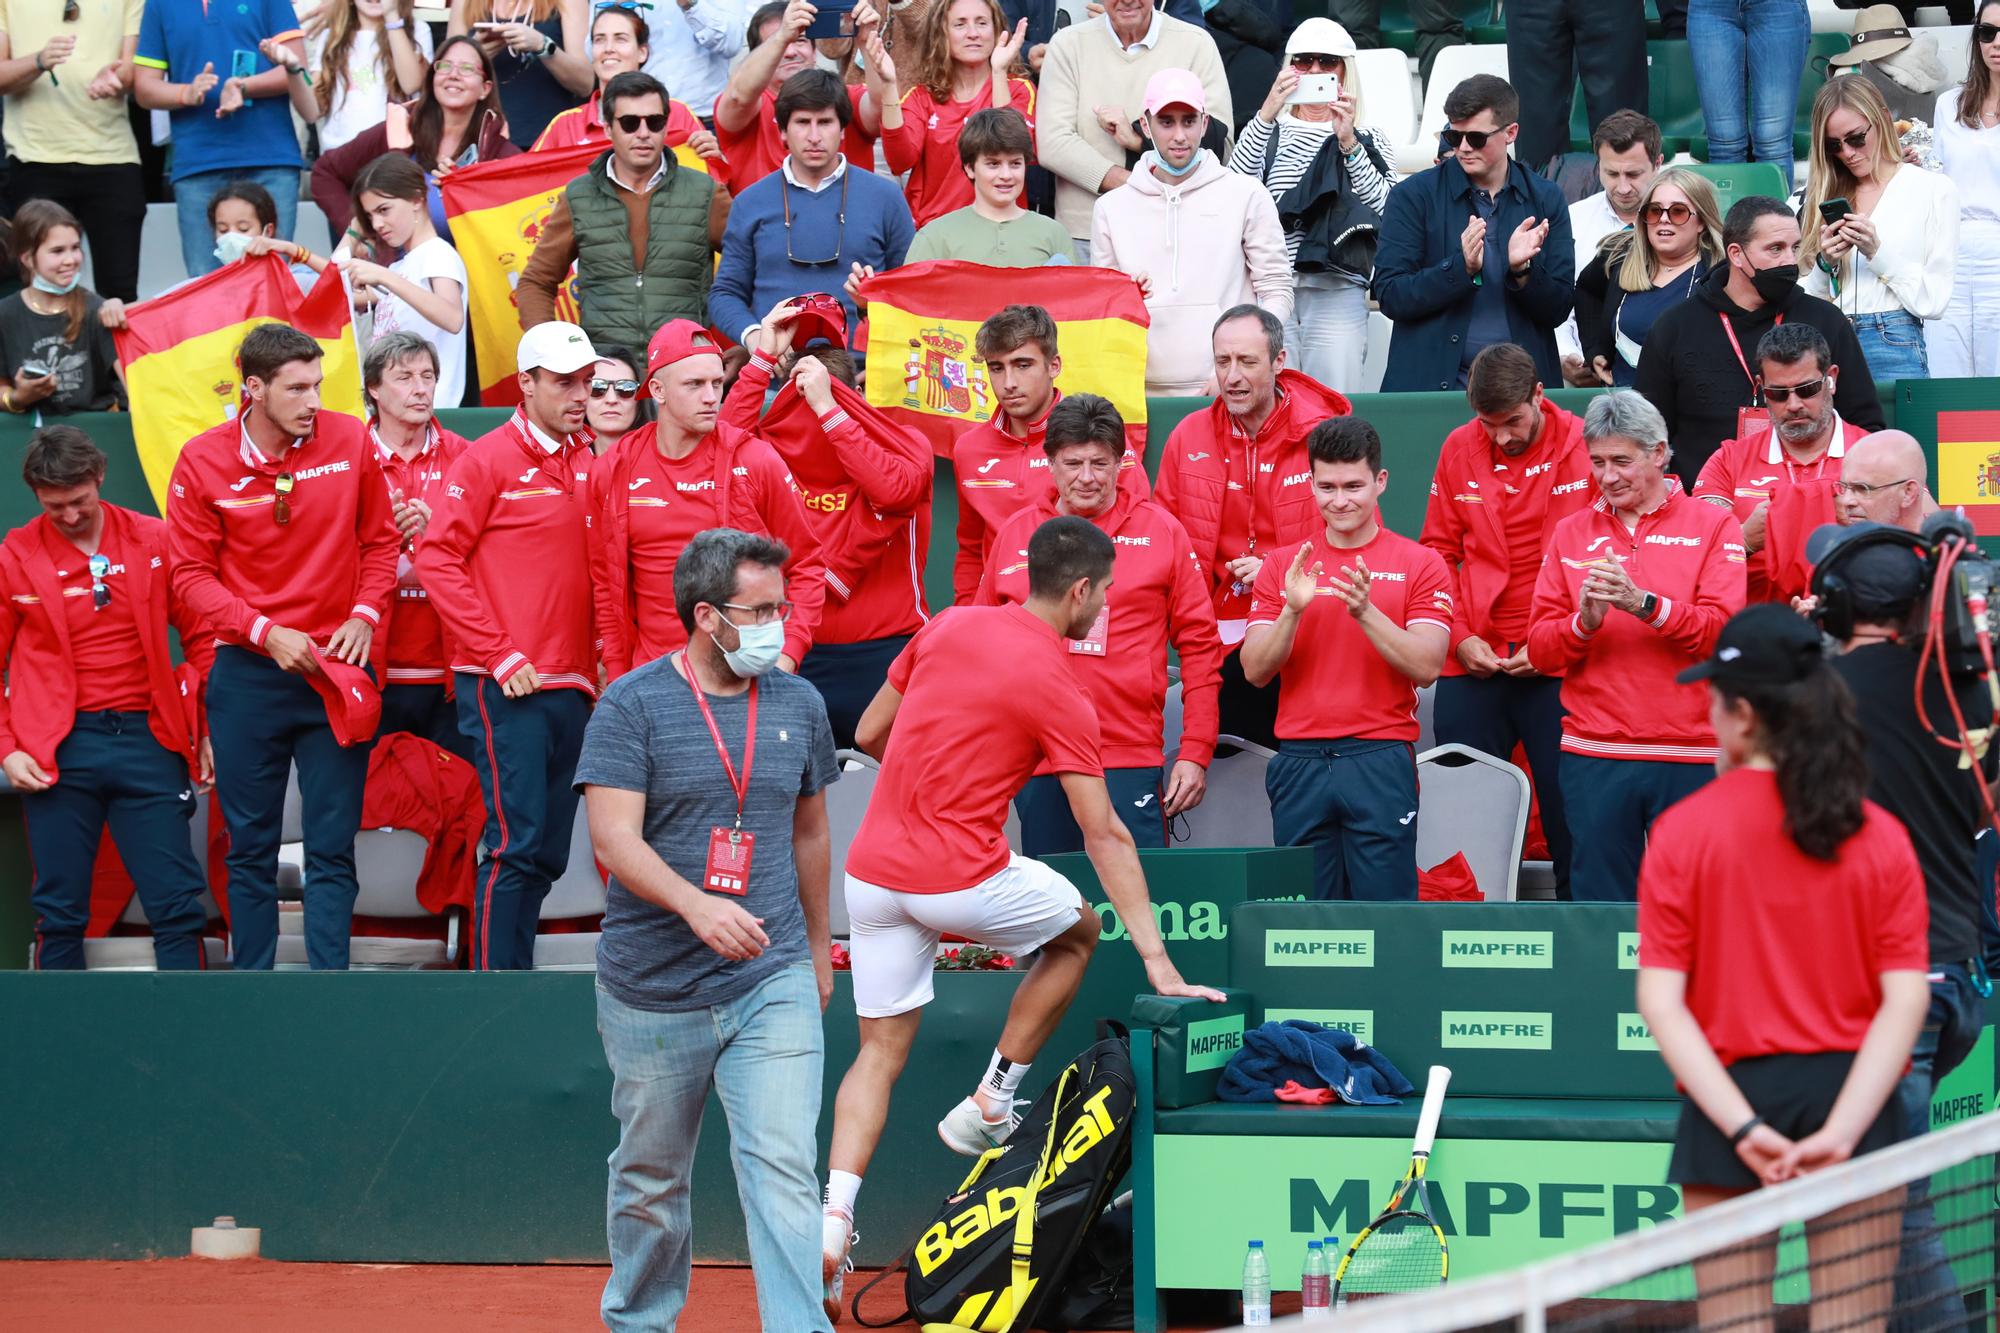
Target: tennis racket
<point>1403,1248</point>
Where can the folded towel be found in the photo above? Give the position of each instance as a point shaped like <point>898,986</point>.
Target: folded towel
<point>1310,1056</point>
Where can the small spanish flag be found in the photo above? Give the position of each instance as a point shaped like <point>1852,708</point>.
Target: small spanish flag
<point>179,353</point>
<point>497,212</point>
<point>1969,467</point>
<point>924,371</point>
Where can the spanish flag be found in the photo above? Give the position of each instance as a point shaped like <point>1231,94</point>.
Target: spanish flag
<point>923,318</point>
<point>1969,467</point>
<point>497,212</point>
<point>179,353</point>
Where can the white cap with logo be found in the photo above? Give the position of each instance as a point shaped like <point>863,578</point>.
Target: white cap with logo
<point>556,347</point>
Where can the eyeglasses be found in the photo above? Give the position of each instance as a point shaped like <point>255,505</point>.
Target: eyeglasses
<point>631,124</point>
<point>1854,142</point>
<point>1779,393</point>
<point>763,615</point>
<point>468,71</point>
<point>283,510</point>
<point>1675,214</point>
<point>840,237</point>
<point>1307,61</point>
<point>100,591</point>
<point>1863,489</point>
<point>1984,33</point>
<point>1477,138</point>
<point>623,388</point>
<point>71,11</point>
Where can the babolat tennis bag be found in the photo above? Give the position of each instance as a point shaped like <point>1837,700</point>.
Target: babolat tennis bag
<point>1000,1246</point>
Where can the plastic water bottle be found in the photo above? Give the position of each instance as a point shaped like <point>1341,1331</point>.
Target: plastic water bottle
<point>1256,1287</point>
<point>1316,1284</point>
<point>1333,1253</point>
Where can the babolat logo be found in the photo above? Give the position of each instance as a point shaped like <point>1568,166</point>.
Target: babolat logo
<point>1658,539</point>
<point>1487,1207</point>
<point>1177,921</point>
<point>1628,950</point>
<point>324,469</point>
<point>1634,1035</point>
<point>1361,1022</point>
<point>1319,948</point>
<point>1211,1042</point>
<point>1499,948</point>
<point>1495,1030</point>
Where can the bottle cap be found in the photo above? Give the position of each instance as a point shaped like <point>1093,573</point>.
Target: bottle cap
<point>1312,1245</point>
<point>1256,1244</point>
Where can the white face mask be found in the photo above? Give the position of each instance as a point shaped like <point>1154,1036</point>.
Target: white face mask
<point>757,651</point>
<point>232,246</point>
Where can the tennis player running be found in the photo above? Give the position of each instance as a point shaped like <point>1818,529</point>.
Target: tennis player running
<point>973,706</point>
<point>1782,953</point>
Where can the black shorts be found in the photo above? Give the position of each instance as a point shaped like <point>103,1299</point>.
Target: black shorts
<point>1794,1094</point>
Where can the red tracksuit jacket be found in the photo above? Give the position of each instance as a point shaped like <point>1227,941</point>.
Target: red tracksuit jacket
<point>866,486</point>
<point>1743,474</point>
<point>417,654</point>
<point>242,571</point>
<point>1618,686</point>
<point>504,559</point>
<point>1160,595</point>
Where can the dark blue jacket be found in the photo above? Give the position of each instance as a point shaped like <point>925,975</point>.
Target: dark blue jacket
<point>1421,282</point>
<point>1314,1057</point>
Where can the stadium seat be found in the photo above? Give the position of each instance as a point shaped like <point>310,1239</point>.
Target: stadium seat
<point>1380,327</point>
<point>134,953</point>
<point>1471,802</point>
<point>1671,98</point>
<point>1388,93</point>
<point>846,802</point>
<point>1454,65</point>
<point>387,863</point>
<point>1740,180</point>
<point>1954,51</point>
<point>1170,739</point>
<point>291,842</point>
<point>577,896</point>
<point>1236,812</point>
<point>1426,711</point>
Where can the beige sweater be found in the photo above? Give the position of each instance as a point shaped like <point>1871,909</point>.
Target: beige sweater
<point>1086,69</point>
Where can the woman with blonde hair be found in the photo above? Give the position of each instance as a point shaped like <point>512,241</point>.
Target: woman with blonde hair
<point>540,51</point>
<point>364,54</point>
<point>1880,235</point>
<point>1641,273</point>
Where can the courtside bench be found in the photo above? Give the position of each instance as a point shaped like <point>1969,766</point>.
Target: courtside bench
<point>1556,1132</point>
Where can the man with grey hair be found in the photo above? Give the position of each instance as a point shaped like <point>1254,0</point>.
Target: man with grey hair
<point>399,378</point>
<point>703,774</point>
<point>1633,591</point>
<point>1882,481</point>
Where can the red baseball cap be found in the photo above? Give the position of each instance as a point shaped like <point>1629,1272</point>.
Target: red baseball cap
<point>353,703</point>
<point>820,316</point>
<point>677,340</point>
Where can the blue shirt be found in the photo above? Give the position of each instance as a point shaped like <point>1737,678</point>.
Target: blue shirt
<point>1489,304</point>
<point>691,49</point>
<point>178,37</point>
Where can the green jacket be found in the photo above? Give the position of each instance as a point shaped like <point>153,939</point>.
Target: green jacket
<point>618,303</point>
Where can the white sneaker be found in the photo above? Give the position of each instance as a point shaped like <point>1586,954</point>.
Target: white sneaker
<point>837,1237</point>
<point>967,1131</point>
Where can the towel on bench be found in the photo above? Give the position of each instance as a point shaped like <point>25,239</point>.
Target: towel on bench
<point>1310,1056</point>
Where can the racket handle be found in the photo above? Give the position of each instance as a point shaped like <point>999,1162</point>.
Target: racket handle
<point>1427,1123</point>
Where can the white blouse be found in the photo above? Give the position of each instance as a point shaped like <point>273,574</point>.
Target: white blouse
<point>1971,158</point>
<point>1916,226</point>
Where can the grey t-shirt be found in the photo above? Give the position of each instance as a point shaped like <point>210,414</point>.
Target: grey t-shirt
<point>647,735</point>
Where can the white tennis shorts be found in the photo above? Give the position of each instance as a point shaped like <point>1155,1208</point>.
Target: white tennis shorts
<point>893,936</point>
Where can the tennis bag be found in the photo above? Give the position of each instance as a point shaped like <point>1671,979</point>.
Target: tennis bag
<point>1001,1245</point>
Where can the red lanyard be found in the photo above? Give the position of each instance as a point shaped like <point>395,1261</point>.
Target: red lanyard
<point>1737,348</point>
<point>741,786</point>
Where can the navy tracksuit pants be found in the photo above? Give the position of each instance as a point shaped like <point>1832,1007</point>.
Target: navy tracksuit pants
<point>110,770</point>
<point>422,710</point>
<point>1499,712</point>
<point>1048,827</point>
<point>526,751</point>
<point>848,676</point>
<point>263,719</point>
<point>1613,802</point>
<point>1354,802</point>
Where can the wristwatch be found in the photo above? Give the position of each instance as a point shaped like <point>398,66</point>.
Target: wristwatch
<point>548,47</point>
<point>1649,608</point>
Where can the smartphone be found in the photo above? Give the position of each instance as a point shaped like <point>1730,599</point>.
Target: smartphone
<point>1833,210</point>
<point>832,19</point>
<point>1315,90</point>
<point>242,64</point>
<point>34,370</point>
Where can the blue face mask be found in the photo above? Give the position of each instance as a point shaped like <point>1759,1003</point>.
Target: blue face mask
<point>757,650</point>
<point>42,284</point>
<point>1161,162</point>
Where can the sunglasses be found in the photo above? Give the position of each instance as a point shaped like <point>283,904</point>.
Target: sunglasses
<point>623,388</point>
<point>1676,214</point>
<point>283,510</point>
<point>840,235</point>
<point>1307,61</point>
<point>1984,33</point>
<point>1854,142</point>
<point>631,124</point>
<point>1778,393</point>
<point>623,6</point>
<point>100,591</point>
<point>1478,139</point>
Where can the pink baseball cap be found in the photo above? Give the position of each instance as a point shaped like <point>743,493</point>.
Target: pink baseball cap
<point>677,340</point>
<point>1174,87</point>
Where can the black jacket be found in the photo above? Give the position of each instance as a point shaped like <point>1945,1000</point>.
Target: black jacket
<point>1598,300</point>
<point>1690,372</point>
<point>1341,231</point>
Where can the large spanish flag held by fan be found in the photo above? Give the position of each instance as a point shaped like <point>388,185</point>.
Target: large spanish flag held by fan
<point>179,353</point>
<point>923,318</point>
<point>497,212</point>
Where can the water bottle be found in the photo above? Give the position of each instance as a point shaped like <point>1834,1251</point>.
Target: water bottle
<point>1333,1253</point>
<point>1316,1284</point>
<point>1256,1287</point>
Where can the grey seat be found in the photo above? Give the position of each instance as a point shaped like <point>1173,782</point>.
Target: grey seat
<point>846,802</point>
<point>1471,802</point>
<point>1170,723</point>
<point>134,953</point>
<point>1426,717</point>
<point>292,842</point>
<point>387,863</point>
<point>579,895</point>
<point>1236,812</point>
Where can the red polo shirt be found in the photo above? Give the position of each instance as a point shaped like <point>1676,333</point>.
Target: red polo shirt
<point>757,150</point>
<point>416,652</point>
<point>109,675</point>
<point>1743,474</point>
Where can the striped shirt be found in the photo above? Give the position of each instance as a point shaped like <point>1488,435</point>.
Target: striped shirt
<point>1299,143</point>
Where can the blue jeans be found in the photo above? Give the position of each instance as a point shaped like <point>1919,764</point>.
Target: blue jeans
<point>1748,58</point>
<point>1926,1289</point>
<point>191,196</point>
<point>1894,345</point>
<point>762,1054</point>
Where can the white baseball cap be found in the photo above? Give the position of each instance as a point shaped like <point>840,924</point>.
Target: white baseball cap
<point>1321,37</point>
<point>559,348</point>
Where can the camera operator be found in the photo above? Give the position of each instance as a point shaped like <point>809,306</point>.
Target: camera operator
<point>1872,583</point>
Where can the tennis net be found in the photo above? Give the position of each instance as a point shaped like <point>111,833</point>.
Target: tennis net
<point>1840,1249</point>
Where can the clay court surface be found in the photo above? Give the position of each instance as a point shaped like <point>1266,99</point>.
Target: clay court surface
<point>200,1296</point>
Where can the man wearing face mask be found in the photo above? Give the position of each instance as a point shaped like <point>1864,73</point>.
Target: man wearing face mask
<point>1696,367</point>
<point>655,489</point>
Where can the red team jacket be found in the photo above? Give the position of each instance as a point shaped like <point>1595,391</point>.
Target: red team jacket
<point>1464,523</point>
<point>866,486</point>
<point>417,654</point>
<point>504,559</point>
<point>39,707</point>
<point>1160,594</point>
<point>1743,474</point>
<point>996,475</point>
<point>242,571</point>
<point>754,492</point>
<point>1618,686</point>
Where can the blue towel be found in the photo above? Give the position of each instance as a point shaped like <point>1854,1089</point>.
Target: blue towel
<point>1314,1056</point>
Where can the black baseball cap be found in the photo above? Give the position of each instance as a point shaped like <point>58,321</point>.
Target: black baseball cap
<point>1765,644</point>
<point>1884,577</point>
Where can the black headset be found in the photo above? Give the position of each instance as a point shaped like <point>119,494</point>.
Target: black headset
<point>1835,610</point>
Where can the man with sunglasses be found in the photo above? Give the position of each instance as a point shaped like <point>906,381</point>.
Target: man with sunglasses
<point>1475,251</point>
<point>284,539</point>
<point>96,729</point>
<point>641,228</point>
<point>1780,478</point>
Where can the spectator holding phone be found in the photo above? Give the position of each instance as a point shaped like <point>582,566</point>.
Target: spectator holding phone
<point>538,50</point>
<point>746,115</point>
<point>1880,236</point>
<point>55,354</point>
<point>1967,135</point>
<point>620,40</point>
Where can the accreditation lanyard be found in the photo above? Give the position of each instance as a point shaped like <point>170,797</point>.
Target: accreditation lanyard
<point>1756,414</point>
<point>729,849</point>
